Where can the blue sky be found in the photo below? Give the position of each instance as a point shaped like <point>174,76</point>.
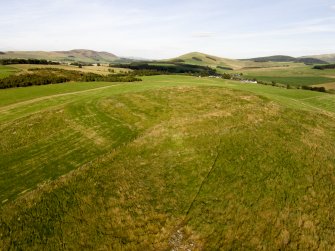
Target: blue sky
<point>164,29</point>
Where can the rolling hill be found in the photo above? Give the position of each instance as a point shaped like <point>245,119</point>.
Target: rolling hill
<point>82,55</point>
<point>198,58</point>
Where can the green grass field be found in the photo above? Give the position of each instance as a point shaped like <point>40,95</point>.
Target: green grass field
<point>169,163</point>
<point>6,71</point>
<point>296,81</point>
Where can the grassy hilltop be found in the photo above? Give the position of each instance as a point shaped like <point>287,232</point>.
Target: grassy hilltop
<point>172,162</point>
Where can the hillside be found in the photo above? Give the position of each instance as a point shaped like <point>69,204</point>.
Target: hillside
<point>204,59</point>
<point>310,61</point>
<point>171,163</point>
<point>72,55</point>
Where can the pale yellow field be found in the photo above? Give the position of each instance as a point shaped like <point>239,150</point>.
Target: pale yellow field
<point>328,86</point>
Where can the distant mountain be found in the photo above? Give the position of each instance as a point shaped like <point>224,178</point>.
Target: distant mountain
<point>72,55</point>
<point>283,58</point>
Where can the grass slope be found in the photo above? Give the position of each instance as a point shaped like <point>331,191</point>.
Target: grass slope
<point>169,163</point>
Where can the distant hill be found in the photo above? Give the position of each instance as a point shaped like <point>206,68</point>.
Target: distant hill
<point>205,59</point>
<point>72,55</point>
<point>198,58</point>
<point>307,60</point>
<point>283,58</point>
<point>330,58</point>
<point>276,58</point>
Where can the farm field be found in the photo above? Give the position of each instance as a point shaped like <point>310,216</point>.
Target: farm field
<point>172,162</point>
<point>294,75</point>
<point>20,68</point>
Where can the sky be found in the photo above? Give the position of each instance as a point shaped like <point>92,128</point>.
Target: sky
<point>156,29</point>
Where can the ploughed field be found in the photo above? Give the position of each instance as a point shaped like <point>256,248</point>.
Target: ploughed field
<point>169,163</point>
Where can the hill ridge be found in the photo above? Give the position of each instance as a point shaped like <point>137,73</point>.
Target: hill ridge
<point>83,55</point>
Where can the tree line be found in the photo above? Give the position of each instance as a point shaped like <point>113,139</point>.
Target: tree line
<point>10,61</point>
<point>324,67</point>
<point>170,68</point>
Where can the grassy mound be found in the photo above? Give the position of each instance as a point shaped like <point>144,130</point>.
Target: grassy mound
<point>190,166</point>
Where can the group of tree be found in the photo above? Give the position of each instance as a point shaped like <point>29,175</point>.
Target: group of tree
<point>48,76</point>
<point>197,59</point>
<point>171,68</point>
<point>314,88</point>
<point>81,64</point>
<point>10,61</point>
<point>324,67</point>
<point>225,68</point>
<point>211,58</point>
